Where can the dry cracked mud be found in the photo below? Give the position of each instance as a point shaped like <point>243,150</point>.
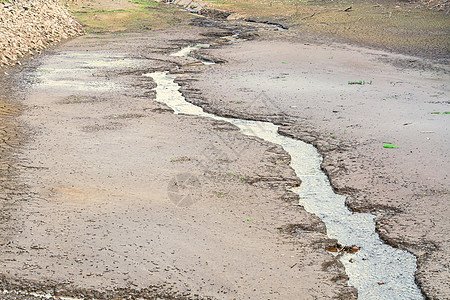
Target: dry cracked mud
<point>308,88</point>
<point>106,193</point>
<point>103,176</point>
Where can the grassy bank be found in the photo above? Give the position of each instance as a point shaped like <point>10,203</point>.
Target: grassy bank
<point>123,15</point>
<point>392,25</point>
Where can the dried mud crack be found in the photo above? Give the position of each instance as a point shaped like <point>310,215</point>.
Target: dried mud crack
<point>329,147</point>
<point>100,219</point>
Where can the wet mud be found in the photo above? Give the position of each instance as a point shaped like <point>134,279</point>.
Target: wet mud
<point>11,138</point>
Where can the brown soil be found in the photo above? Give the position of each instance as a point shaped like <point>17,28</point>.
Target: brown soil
<point>397,26</point>
<point>91,202</point>
<point>106,171</point>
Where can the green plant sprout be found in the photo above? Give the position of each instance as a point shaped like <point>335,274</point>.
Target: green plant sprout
<point>389,146</point>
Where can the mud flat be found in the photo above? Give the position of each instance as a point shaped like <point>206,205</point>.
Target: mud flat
<point>349,102</point>
<point>120,197</point>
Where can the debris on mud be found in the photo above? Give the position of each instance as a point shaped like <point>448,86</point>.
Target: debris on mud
<point>199,8</point>
<point>341,249</point>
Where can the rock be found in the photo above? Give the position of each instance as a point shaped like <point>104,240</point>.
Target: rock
<point>29,25</point>
<point>235,16</point>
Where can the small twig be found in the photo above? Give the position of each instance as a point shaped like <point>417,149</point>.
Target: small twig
<point>348,8</point>
<point>32,167</point>
<point>309,16</point>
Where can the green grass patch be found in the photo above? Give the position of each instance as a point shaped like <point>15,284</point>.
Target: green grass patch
<point>148,3</point>
<point>109,16</point>
<point>389,146</point>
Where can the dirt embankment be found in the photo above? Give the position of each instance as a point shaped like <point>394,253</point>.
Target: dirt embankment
<point>396,26</point>
<point>27,27</point>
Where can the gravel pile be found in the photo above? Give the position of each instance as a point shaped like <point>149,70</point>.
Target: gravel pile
<point>28,26</point>
<point>443,5</point>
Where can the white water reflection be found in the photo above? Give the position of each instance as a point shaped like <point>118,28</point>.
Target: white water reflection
<point>184,52</point>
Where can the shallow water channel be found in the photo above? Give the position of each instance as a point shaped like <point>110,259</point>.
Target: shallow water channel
<point>377,270</point>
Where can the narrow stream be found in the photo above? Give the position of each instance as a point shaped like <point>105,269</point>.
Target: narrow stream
<point>377,270</point>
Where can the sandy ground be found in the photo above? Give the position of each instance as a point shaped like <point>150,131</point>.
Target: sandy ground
<point>116,196</point>
<point>303,85</point>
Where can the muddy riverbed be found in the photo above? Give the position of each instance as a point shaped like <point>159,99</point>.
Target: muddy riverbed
<point>119,196</point>
<point>350,102</point>
<point>376,270</point>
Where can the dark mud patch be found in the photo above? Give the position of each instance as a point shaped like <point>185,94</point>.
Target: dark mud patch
<point>97,127</point>
<point>19,289</point>
<point>160,109</point>
<point>439,66</point>
<point>217,34</point>
<point>224,126</point>
<point>82,99</point>
<point>224,25</point>
<point>308,135</point>
<point>215,14</point>
<point>205,57</point>
<point>125,116</point>
<point>277,25</point>
<point>314,226</point>
<point>195,97</point>
<point>11,138</point>
<point>334,266</point>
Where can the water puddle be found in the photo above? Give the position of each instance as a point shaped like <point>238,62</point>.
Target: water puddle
<point>76,85</point>
<point>17,293</point>
<point>184,52</point>
<point>75,72</point>
<point>377,270</point>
